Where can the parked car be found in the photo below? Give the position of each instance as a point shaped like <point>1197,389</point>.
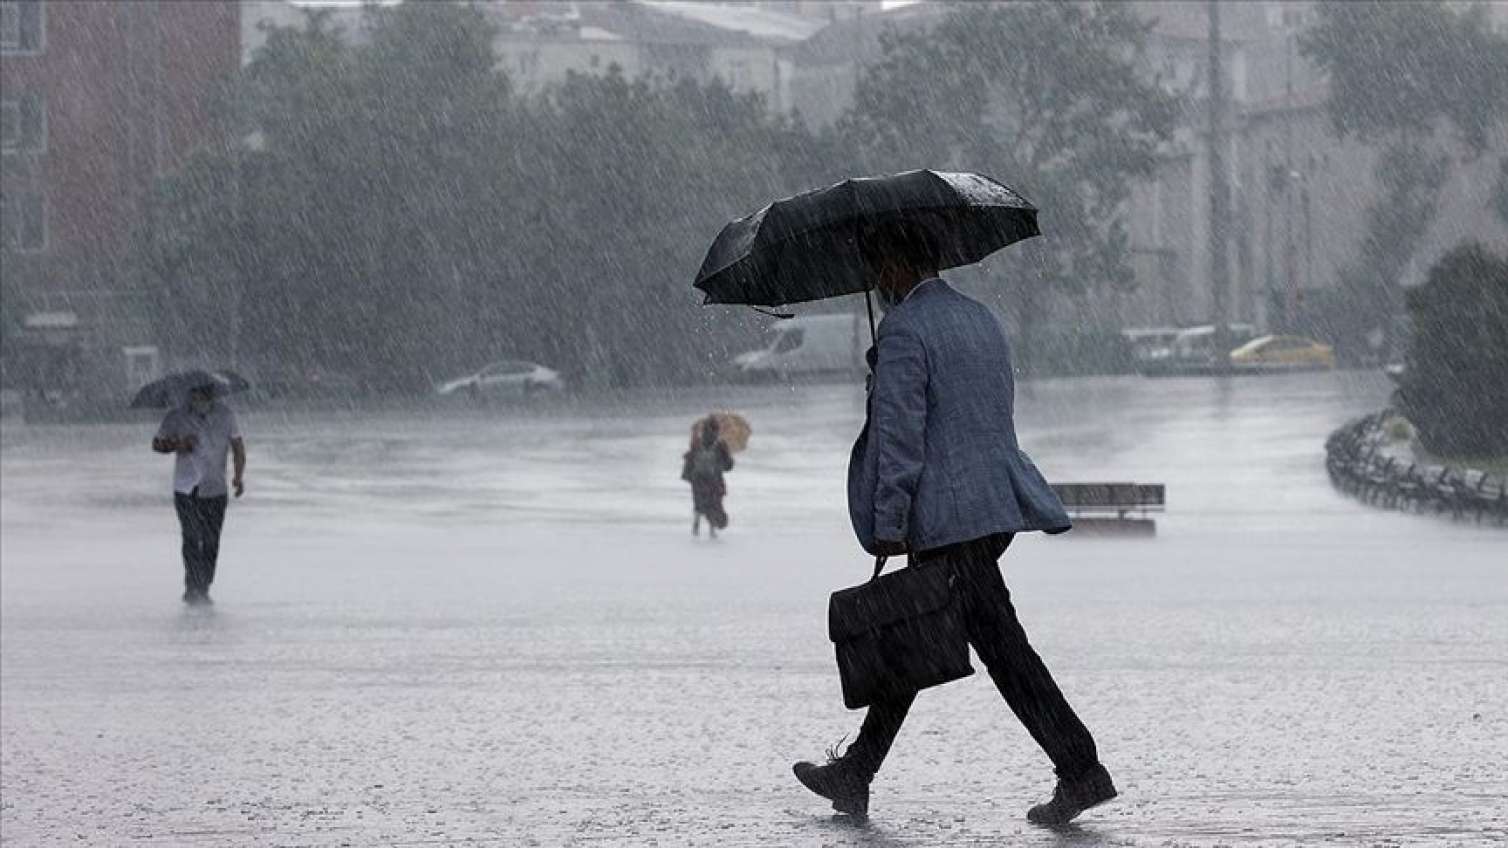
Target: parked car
<point>1193,351</point>
<point>1149,344</point>
<point>500,379</point>
<point>807,346</point>
<point>1283,353</point>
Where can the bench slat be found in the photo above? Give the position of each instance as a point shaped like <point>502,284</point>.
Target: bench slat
<point>1111,495</point>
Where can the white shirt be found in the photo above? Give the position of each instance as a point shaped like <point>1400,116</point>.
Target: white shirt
<point>203,468</point>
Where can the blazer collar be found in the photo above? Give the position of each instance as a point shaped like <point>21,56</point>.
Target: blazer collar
<point>929,283</point>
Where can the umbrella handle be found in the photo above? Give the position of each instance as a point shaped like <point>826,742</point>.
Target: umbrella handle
<point>773,314</point>
<point>869,306</point>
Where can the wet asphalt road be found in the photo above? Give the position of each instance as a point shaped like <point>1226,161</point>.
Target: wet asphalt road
<point>452,627</point>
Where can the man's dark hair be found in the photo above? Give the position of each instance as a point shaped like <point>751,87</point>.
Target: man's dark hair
<point>906,241</point>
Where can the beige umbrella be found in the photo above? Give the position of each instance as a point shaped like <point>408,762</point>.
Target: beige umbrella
<point>732,430</point>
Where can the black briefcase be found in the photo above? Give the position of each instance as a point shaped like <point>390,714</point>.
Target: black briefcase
<point>898,633</point>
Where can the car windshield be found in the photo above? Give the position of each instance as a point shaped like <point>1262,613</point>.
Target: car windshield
<point>788,340</point>
<point>501,368</point>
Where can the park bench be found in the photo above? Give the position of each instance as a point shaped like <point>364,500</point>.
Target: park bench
<point>1113,507</point>
<point>1473,490</point>
<point>1412,489</point>
<point>1378,482</point>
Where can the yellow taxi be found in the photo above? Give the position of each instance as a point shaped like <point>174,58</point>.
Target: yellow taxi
<point>1283,353</point>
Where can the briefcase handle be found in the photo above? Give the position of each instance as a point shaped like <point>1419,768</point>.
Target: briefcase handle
<point>879,564</point>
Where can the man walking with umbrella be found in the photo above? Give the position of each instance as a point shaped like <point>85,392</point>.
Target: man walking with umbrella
<point>200,433</point>
<point>937,473</point>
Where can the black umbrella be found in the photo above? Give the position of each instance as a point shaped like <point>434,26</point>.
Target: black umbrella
<point>806,247</point>
<point>173,390</point>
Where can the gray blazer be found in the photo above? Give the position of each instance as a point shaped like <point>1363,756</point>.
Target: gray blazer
<point>937,461</point>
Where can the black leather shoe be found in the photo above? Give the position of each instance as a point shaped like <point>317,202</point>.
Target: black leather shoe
<point>1072,797</point>
<point>835,782</point>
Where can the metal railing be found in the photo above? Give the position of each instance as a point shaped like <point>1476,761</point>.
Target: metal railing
<point>1358,465</point>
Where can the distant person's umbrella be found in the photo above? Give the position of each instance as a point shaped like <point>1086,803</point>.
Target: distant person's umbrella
<point>805,247</point>
<point>173,389</point>
<point>732,430</point>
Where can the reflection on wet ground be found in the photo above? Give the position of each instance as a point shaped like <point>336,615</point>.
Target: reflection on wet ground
<point>491,626</point>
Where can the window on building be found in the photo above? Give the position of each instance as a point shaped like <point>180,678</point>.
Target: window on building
<point>142,364</point>
<point>23,124</point>
<point>23,221</point>
<point>738,75</point>
<point>22,26</point>
<point>10,124</point>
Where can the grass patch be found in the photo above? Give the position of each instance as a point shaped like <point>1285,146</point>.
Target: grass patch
<point>1496,465</point>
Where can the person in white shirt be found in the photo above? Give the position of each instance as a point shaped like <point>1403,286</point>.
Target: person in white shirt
<point>200,433</point>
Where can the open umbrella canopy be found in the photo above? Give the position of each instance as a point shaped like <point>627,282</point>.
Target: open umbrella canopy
<point>173,389</point>
<point>805,247</point>
<point>733,430</point>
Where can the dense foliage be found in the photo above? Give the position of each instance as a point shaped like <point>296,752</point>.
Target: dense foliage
<point>1425,83</point>
<point>1454,388</point>
<point>1411,68</point>
<point>404,214</point>
<point>1051,94</point>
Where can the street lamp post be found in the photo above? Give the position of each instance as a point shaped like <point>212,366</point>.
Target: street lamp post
<point>239,146</point>
<point>1219,191</point>
<point>1293,291</point>
<point>236,163</point>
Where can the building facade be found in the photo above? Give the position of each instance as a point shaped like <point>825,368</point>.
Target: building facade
<point>1300,195</point>
<point>540,42</point>
<point>98,100</point>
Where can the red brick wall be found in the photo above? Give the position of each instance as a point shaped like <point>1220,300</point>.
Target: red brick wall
<point>128,90</point>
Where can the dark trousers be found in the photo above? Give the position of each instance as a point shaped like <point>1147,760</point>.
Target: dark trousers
<point>1001,644</point>
<point>201,520</point>
<point>707,499</point>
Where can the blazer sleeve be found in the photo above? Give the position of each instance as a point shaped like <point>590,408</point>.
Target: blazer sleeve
<point>899,430</point>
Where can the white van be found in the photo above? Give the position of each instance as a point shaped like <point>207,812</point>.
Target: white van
<point>1192,351</point>
<point>808,346</point>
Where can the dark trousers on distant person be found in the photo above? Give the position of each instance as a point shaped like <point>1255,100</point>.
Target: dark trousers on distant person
<point>1000,642</point>
<point>201,519</point>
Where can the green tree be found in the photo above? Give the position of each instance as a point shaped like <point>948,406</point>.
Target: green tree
<point>185,253</point>
<point>1500,192</point>
<point>1410,175</point>
<point>352,238</point>
<point>637,177</point>
<point>406,214</point>
<point>1049,97</point>
<point>1410,69</point>
<point>1410,79</point>
<point>1453,390</point>
<point>13,284</point>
